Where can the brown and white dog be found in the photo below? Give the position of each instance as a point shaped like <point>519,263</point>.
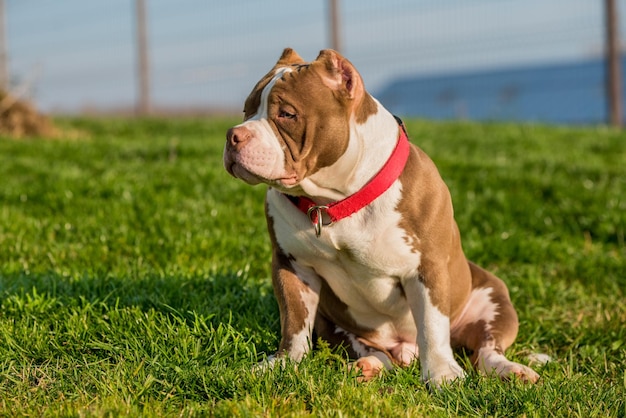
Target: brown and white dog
<point>366,251</point>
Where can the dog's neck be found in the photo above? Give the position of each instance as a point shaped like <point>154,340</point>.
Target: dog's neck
<point>370,145</point>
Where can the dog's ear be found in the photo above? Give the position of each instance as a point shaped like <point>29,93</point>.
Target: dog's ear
<point>341,75</point>
<point>289,57</point>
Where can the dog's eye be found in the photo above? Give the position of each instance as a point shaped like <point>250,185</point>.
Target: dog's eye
<point>286,115</point>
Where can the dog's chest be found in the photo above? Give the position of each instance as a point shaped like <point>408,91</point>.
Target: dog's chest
<point>363,258</point>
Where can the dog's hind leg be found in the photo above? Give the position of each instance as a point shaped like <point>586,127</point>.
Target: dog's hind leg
<point>488,326</point>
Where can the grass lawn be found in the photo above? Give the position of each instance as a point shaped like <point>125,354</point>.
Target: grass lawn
<point>134,276</point>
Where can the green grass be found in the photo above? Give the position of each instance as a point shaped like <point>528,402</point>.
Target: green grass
<point>134,276</point>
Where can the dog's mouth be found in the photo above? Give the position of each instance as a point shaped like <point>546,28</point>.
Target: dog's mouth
<point>238,171</point>
<point>241,173</point>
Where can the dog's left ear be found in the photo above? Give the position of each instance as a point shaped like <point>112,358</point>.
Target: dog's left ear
<point>341,74</point>
<point>289,57</point>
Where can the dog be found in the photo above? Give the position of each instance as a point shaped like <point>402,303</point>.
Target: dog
<point>366,251</point>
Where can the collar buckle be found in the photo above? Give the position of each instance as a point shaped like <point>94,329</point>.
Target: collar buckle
<point>316,216</point>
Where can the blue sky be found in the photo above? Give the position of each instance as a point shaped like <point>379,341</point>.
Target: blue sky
<point>77,54</point>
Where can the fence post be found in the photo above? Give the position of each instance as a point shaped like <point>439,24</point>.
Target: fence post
<point>143,66</point>
<point>613,64</point>
<point>4,65</point>
<point>335,25</point>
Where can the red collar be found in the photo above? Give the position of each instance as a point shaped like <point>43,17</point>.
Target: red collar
<point>370,192</point>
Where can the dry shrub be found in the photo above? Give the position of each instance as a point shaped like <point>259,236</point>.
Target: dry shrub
<point>20,119</point>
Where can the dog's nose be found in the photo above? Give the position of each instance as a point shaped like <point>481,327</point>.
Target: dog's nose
<point>238,136</point>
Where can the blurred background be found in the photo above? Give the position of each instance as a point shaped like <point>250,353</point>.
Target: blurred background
<point>519,60</point>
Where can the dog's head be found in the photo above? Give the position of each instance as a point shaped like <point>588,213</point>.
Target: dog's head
<point>297,120</point>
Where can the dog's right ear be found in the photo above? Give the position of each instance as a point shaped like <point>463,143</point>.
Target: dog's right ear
<point>289,57</point>
<point>340,74</point>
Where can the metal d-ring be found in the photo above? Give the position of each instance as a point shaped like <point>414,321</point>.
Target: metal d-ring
<point>320,222</point>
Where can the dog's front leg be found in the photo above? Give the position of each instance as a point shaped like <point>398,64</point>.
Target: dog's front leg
<point>297,292</point>
<point>433,333</point>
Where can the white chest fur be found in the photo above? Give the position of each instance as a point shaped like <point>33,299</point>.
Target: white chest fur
<point>362,258</point>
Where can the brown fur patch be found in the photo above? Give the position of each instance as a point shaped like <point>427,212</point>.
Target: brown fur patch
<point>289,57</point>
<point>365,109</point>
<point>427,218</point>
<point>251,106</point>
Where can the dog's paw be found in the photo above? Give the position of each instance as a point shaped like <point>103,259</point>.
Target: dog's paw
<point>523,373</point>
<point>491,362</point>
<point>367,367</point>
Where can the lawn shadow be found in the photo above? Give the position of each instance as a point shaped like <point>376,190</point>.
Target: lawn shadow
<point>219,298</point>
